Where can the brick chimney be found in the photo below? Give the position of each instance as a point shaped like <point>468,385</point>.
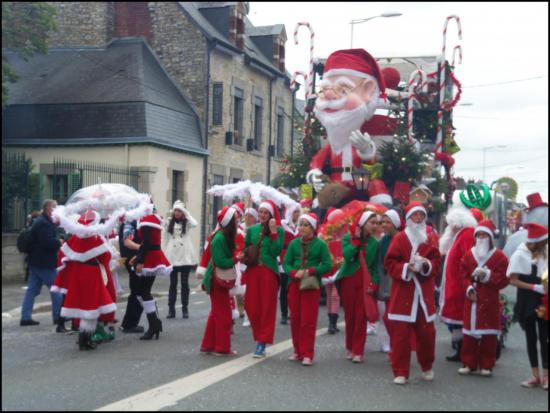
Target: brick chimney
<point>133,19</point>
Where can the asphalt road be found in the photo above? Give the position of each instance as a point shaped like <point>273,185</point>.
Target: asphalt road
<point>42,370</point>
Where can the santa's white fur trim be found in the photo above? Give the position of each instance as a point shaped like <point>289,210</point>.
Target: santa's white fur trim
<point>415,209</point>
<point>312,221</point>
<point>159,270</point>
<point>71,255</point>
<point>88,326</point>
<point>394,217</point>
<point>87,314</point>
<point>425,274</point>
<point>541,238</point>
<point>469,290</point>
<point>61,214</point>
<point>149,224</point>
<point>381,199</point>
<point>267,205</point>
<point>405,275</point>
<point>459,216</point>
<point>56,289</point>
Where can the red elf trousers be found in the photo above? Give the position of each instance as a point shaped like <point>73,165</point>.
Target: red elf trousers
<point>217,335</point>
<point>304,311</point>
<point>351,288</point>
<point>260,302</point>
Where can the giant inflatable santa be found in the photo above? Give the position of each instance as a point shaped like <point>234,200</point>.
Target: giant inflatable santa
<point>351,90</point>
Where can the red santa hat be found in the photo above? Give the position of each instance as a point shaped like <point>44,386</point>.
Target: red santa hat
<point>239,207</point>
<point>535,200</point>
<point>378,193</point>
<point>487,226</point>
<point>355,62</point>
<point>391,77</point>
<point>312,219</point>
<point>536,232</point>
<point>273,210</point>
<point>477,214</point>
<point>306,203</point>
<point>361,220</point>
<point>90,217</point>
<point>225,215</point>
<point>152,220</point>
<point>395,218</point>
<point>413,207</point>
<point>251,211</point>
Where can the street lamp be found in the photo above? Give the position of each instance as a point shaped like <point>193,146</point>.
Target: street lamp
<point>485,154</point>
<point>360,178</point>
<point>355,21</point>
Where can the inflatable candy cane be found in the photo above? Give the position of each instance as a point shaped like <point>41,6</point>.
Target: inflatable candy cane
<point>312,35</point>
<point>459,49</point>
<point>417,78</point>
<point>439,140</point>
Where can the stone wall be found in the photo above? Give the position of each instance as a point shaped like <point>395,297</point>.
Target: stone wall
<point>13,262</point>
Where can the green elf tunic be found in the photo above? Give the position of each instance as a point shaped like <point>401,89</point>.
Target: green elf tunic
<point>221,258</point>
<point>271,248</point>
<point>317,259</point>
<point>350,249</point>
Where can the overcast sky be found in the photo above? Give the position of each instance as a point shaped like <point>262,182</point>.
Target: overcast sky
<point>501,42</point>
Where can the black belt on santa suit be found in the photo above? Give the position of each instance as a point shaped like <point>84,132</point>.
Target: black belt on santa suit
<point>330,170</point>
<point>151,248</point>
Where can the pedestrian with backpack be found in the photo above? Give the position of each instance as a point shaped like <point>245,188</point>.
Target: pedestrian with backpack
<point>42,264</point>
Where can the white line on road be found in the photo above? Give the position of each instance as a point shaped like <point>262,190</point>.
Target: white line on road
<point>170,393</point>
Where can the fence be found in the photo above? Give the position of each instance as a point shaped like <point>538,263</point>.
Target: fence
<point>24,191</point>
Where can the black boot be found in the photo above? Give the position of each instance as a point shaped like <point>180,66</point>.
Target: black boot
<point>456,357</point>
<point>332,323</point>
<point>155,327</point>
<point>336,323</point>
<point>184,312</point>
<point>284,319</point>
<point>61,325</point>
<point>171,313</point>
<point>85,341</point>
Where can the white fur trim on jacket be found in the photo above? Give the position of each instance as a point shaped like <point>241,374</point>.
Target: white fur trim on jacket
<point>61,213</point>
<point>520,261</point>
<point>406,275</point>
<point>84,256</point>
<point>469,290</point>
<point>427,273</point>
<point>56,289</point>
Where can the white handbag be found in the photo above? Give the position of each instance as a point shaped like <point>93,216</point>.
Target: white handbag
<point>228,274</point>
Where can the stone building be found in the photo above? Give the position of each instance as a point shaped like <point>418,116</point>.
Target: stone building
<point>232,72</point>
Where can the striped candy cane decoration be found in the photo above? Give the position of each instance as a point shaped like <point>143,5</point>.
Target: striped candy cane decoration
<point>459,49</point>
<point>312,35</point>
<point>293,81</point>
<point>417,78</point>
<point>439,139</point>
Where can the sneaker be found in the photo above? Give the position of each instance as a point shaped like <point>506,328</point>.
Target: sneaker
<point>545,383</point>
<point>246,322</point>
<point>486,372</point>
<point>260,351</point>
<point>349,355</point>
<point>532,382</point>
<point>229,354</point>
<point>385,348</point>
<point>358,359</point>
<point>464,370</point>
<point>400,380</point>
<point>307,361</point>
<point>28,323</point>
<point>205,351</point>
<point>371,329</point>
<point>428,375</point>
<point>293,357</point>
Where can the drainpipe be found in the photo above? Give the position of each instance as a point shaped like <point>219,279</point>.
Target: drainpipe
<point>209,47</point>
<point>270,129</point>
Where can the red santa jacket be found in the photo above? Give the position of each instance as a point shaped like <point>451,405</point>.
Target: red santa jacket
<point>483,316</point>
<point>409,290</point>
<point>347,158</point>
<point>452,297</point>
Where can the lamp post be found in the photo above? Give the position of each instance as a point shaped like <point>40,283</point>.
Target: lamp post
<point>355,21</point>
<point>360,178</point>
<point>485,155</point>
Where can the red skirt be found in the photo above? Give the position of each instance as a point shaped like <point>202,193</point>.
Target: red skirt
<point>155,264</point>
<point>87,295</point>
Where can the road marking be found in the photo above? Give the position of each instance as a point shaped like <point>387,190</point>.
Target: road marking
<point>170,394</point>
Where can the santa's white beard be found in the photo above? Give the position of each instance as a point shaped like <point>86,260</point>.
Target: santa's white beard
<point>416,232</point>
<point>339,125</point>
<point>482,248</point>
<point>446,240</point>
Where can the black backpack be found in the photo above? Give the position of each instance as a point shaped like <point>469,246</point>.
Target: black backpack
<point>25,240</point>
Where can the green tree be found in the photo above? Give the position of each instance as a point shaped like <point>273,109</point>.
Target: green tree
<point>25,30</point>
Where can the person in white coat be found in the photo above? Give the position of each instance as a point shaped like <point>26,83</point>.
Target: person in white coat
<point>178,248</point>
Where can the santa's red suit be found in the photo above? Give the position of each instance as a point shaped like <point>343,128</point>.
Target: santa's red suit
<point>482,321</point>
<point>83,275</point>
<point>154,261</point>
<point>412,302</point>
<point>451,303</point>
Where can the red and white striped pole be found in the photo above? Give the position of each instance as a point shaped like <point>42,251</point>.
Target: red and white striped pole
<point>439,139</point>
<point>459,49</point>
<point>417,78</point>
<point>312,35</point>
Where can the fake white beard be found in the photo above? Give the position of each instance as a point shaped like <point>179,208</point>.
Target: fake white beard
<point>416,232</point>
<point>482,248</point>
<point>446,240</point>
<point>339,125</point>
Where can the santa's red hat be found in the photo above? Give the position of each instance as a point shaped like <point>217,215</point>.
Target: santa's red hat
<point>89,217</point>
<point>536,232</point>
<point>273,210</point>
<point>487,226</point>
<point>306,203</point>
<point>391,77</point>
<point>239,207</point>
<point>354,62</point>
<point>535,200</point>
<point>312,219</point>
<point>225,215</point>
<point>477,214</point>
<point>413,207</point>
<point>152,220</point>
<point>378,193</point>
<point>395,218</point>
<point>361,220</point>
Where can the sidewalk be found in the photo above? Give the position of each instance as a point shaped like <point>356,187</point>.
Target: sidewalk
<point>13,293</point>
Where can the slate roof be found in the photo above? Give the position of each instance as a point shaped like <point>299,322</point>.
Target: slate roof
<point>126,70</point>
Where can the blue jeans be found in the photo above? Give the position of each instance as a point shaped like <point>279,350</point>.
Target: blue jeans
<point>37,277</point>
